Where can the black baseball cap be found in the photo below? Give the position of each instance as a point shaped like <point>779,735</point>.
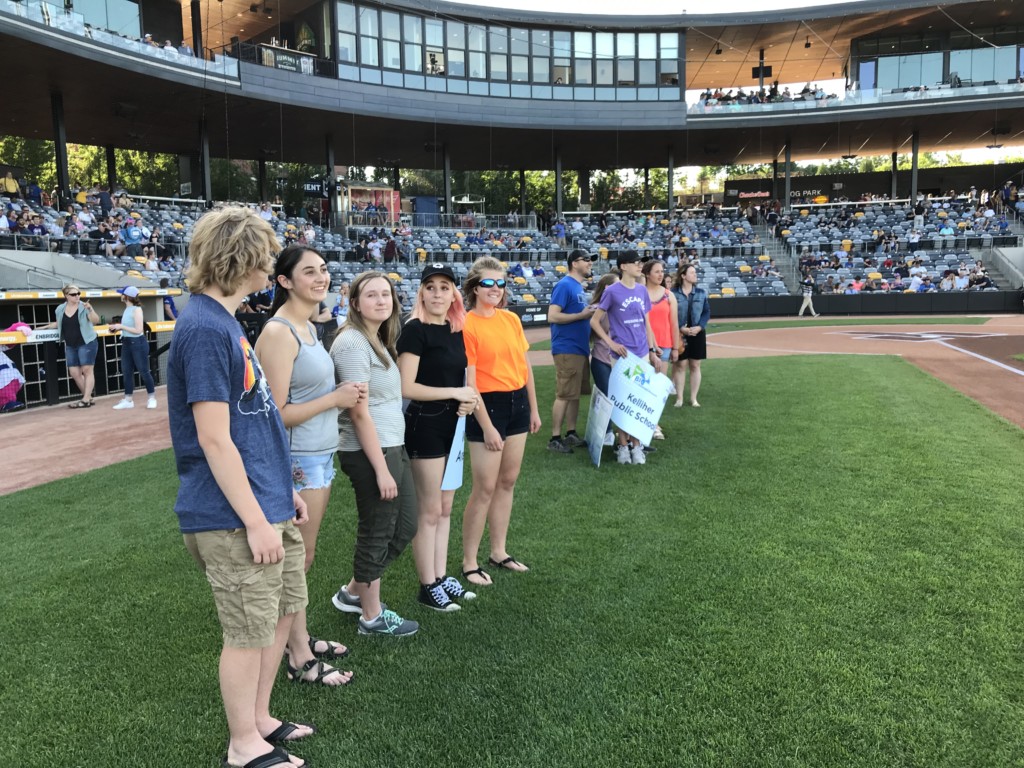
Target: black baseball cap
<point>437,269</point>
<point>628,257</point>
<point>576,255</point>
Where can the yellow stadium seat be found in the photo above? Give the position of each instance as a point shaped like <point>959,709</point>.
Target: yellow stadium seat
<point>504,264</point>
<point>859,214</point>
<point>395,277</point>
<point>714,296</point>
<point>786,233</point>
<point>529,298</point>
<point>764,257</point>
<point>942,214</point>
<point>847,245</point>
<point>640,245</point>
<point>874,275</point>
<point>140,259</point>
<point>527,239</point>
<point>133,273</point>
<point>728,291</point>
<point>665,222</point>
<point>603,252</point>
<point>460,235</point>
<point>519,280</point>
<point>744,269</point>
<point>804,212</point>
<point>561,269</point>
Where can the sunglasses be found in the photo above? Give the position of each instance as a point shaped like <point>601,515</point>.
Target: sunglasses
<point>490,282</point>
<point>72,295</point>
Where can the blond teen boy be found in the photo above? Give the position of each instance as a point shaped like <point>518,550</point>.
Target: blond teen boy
<point>235,505</point>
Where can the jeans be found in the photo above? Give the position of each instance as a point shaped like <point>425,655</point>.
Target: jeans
<point>601,372</point>
<point>135,357</point>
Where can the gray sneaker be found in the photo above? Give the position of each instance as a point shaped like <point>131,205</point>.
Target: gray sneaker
<point>558,446</point>
<point>574,441</point>
<point>388,623</point>
<point>346,602</point>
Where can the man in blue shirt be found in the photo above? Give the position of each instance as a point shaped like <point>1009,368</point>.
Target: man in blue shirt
<point>569,317</point>
<point>133,237</point>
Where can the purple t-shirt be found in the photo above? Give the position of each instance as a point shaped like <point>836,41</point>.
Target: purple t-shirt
<point>627,310</point>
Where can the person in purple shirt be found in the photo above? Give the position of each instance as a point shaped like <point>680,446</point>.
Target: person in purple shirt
<point>626,305</point>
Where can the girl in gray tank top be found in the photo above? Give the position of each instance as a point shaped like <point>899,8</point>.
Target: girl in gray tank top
<point>301,378</point>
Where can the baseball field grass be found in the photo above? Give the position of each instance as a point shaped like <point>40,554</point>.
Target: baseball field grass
<point>819,567</point>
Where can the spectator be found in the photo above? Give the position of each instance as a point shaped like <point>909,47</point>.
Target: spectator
<point>185,49</point>
<point>9,186</point>
<point>134,349</point>
<point>170,309</point>
<point>74,324</point>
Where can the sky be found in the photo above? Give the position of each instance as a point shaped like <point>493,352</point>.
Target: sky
<point>649,7</point>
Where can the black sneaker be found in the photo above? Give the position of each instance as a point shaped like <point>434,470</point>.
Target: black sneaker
<point>434,596</point>
<point>574,441</point>
<point>453,587</point>
<point>556,445</point>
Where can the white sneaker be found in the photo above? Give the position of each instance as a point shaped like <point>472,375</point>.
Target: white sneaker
<point>151,403</point>
<point>124,404</point>
<point>637,453</point>
<point>622,454</point>
<point>609,439</point>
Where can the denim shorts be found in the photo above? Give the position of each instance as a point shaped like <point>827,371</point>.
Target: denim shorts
<point>83,355</point>
<point>310,473</point>
<point>509,412</point>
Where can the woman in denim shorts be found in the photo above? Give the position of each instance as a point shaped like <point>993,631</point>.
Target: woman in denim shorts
<point>74,324</point>
<point>301,378</point>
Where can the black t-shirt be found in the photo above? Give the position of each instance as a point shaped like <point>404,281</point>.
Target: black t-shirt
<point>442,353</point>
<point>71,331</point>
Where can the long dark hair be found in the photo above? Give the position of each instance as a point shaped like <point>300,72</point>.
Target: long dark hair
<point>285,267</point>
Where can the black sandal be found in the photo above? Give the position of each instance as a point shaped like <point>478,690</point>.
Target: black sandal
<point>322,671</point>
<point>478,572</point>
<point>505,563</point>
<point>271,759</point>
<point>280,734</point>
<point>80,404</point>
<point>330,654</point>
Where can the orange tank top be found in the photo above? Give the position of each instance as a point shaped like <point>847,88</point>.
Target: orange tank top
<point>661,321</point>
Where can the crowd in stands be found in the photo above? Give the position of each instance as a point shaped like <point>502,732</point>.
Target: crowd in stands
<point>774,95</point>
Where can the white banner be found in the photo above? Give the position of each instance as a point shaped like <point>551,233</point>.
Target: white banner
<point>638,395</point>
<point>452,479</point>
<point>597,424</point>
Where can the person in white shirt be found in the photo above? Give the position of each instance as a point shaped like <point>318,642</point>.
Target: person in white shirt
<point>266,213</point>
<point>577,226</point>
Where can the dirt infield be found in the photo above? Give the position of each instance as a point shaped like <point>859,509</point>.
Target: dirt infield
<point>975,359</point>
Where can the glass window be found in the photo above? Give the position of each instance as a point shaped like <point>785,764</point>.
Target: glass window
<point>1005,65</point>
<point>477,38</point>
<point>412,29</point>
<point>561,73</point>
<point>498,38</point>
<point>520,41</point>
<point>627,72</point>
<point>888,73</point>
<point>346,17</point>
<point>561,44</point>
<point>648,45</point>
<point>434,32</point>
<point>456,35</point>
<point>390,26</point>
<point>604,70</point>
<point>669,72</point>
<point>123,17</point>
<point>541,42</point>
<point>931,69</point>
<point>413,57</point>
<point>369,24</point>
<point>368,55</point>
<point>435,61</point>
<point>584,71</point>
<point>347,47</point>
<point>867,75</point>
<point>499,66</point>
<point>669,45</point>
<point>584,42</point>
<point>626,45</point>
<point>455,64</point>
<point>647,73</point>
<point>604,45</point>
<point>520,69</point>
<point>478,65</point>
<point>392,54</point>
<point>541,69</point>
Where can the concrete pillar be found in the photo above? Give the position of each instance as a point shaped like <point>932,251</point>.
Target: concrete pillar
<point>892,196</point>
<point>789,175</point>
<point>196,7</point>
<point>204,163</point>
<point>558,183</point>
<point>775,178</point>
<point>522,192</point>
<point>60,147</point>
<point>333,203</point>
<point>671,197</point>
<point>647,187</point>
<point>915,148</point>
<point>584,182</point>
<point>447,160</point>
<point>111,167</point>
<point>261,180</point>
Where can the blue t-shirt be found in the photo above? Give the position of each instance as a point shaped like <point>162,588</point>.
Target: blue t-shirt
<point>211,360</point>
<point>133,235</point>
<point>570,338</point>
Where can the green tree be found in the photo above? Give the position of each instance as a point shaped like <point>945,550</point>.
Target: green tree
<point>233,180</point>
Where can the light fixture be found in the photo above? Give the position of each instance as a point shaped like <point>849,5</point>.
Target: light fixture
<point>254,8</point>
<point>849,157</point>
<point>993,146</point>
<point>718,51</point>
<point>808,43</point>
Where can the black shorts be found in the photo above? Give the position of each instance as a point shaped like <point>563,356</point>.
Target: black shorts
<point>509,412</point>
<point>430,428</point>
<point>696,347</point>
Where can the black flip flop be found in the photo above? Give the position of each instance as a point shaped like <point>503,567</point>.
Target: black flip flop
<point>505,563</point>
<point>330,653</point>
<point>280,734</point>
<point>271,759</point>
<point>478,572</point>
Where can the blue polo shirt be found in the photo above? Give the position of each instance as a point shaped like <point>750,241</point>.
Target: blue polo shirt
<point>570,338</point>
